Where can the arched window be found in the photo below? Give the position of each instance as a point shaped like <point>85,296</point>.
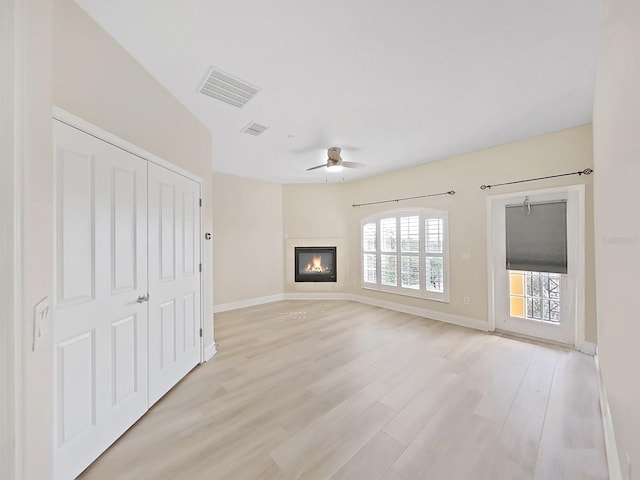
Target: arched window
<point>406,252</point>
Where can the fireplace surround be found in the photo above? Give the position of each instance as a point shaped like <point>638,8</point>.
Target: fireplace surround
<point>315,264</point>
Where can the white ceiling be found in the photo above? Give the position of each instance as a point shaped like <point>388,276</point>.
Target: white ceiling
<point>401,83</point>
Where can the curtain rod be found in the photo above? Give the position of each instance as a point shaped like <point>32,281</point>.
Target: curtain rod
<point>586,171</point>
<point>450,192</point>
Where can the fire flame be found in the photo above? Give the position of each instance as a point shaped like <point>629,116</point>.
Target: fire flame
<point>316,266</point>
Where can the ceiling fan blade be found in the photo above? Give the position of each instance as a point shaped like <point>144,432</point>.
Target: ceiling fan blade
<point>316,145</point>
<point>317,166</point>
<point>352,165</point>
<point>312,148</point>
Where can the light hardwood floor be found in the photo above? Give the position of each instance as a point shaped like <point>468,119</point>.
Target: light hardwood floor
<point>340,390</point>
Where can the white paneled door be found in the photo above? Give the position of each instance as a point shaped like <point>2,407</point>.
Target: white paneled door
<point>174,279</point>
<point>100,326</point>
<point>127,321</point>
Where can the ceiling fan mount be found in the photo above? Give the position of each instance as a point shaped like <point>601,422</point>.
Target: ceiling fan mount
<point>335,162</point>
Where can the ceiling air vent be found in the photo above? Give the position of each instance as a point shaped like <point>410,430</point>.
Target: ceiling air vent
<point>254,129</point>
<point>227,88</point>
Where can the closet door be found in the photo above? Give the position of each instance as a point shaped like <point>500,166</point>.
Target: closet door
<point>174,279</point>
<point>100,328</point>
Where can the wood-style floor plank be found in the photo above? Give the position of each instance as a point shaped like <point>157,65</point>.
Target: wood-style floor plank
<point>339,390</point>
<point>373,460</point>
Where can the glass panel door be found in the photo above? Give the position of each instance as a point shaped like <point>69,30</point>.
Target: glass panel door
<point>533,303</point>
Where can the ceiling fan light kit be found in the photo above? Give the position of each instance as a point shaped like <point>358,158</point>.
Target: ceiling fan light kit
<point>335,163</point>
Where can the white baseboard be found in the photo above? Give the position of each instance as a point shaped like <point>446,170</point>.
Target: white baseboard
<point>209,351</point>
<point>615,472</point>
<point>397,307</point>
<point>587,347</point>
<point>424,312</point>
<point>251,302</point>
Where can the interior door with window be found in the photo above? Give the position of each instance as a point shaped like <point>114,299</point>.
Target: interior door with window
<point>174,278</point>
<point>537,266</point>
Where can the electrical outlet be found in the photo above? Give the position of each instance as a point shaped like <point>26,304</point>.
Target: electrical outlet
<point>466,300</point>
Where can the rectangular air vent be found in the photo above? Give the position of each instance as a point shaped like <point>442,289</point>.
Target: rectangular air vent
<point>227,89</point>
<point>254,129</point>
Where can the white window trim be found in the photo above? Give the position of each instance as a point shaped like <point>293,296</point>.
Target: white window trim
<point>422,292</point>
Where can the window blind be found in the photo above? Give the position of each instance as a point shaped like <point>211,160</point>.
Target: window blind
<point>537,237</point>
<point>369,237</point>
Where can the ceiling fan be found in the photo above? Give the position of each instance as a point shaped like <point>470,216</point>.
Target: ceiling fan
<point>335,163</point>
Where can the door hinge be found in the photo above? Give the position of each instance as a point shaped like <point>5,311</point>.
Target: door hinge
<point>200,332</point>
<point>200,266</point>
<point>200,202</point>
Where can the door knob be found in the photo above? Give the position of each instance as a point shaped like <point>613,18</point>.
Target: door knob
<point>143,298</point>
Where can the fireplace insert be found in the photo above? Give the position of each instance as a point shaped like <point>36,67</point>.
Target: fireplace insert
<point>315,264</point>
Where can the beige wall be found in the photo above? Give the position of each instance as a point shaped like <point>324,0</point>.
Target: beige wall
<point>316,212</point>
<point>560,152</point>
<point>616,127</point>
<point>247,239</point>
<point>316,215</point>
<point>97,80</point>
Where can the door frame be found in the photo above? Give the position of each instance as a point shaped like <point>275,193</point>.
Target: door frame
<point>78,123</point>
<point>578,193</point>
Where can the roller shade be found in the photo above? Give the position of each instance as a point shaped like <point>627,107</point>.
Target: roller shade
<point>537,237</point>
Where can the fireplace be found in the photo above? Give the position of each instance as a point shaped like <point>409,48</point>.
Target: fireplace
<point>315,264</point>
